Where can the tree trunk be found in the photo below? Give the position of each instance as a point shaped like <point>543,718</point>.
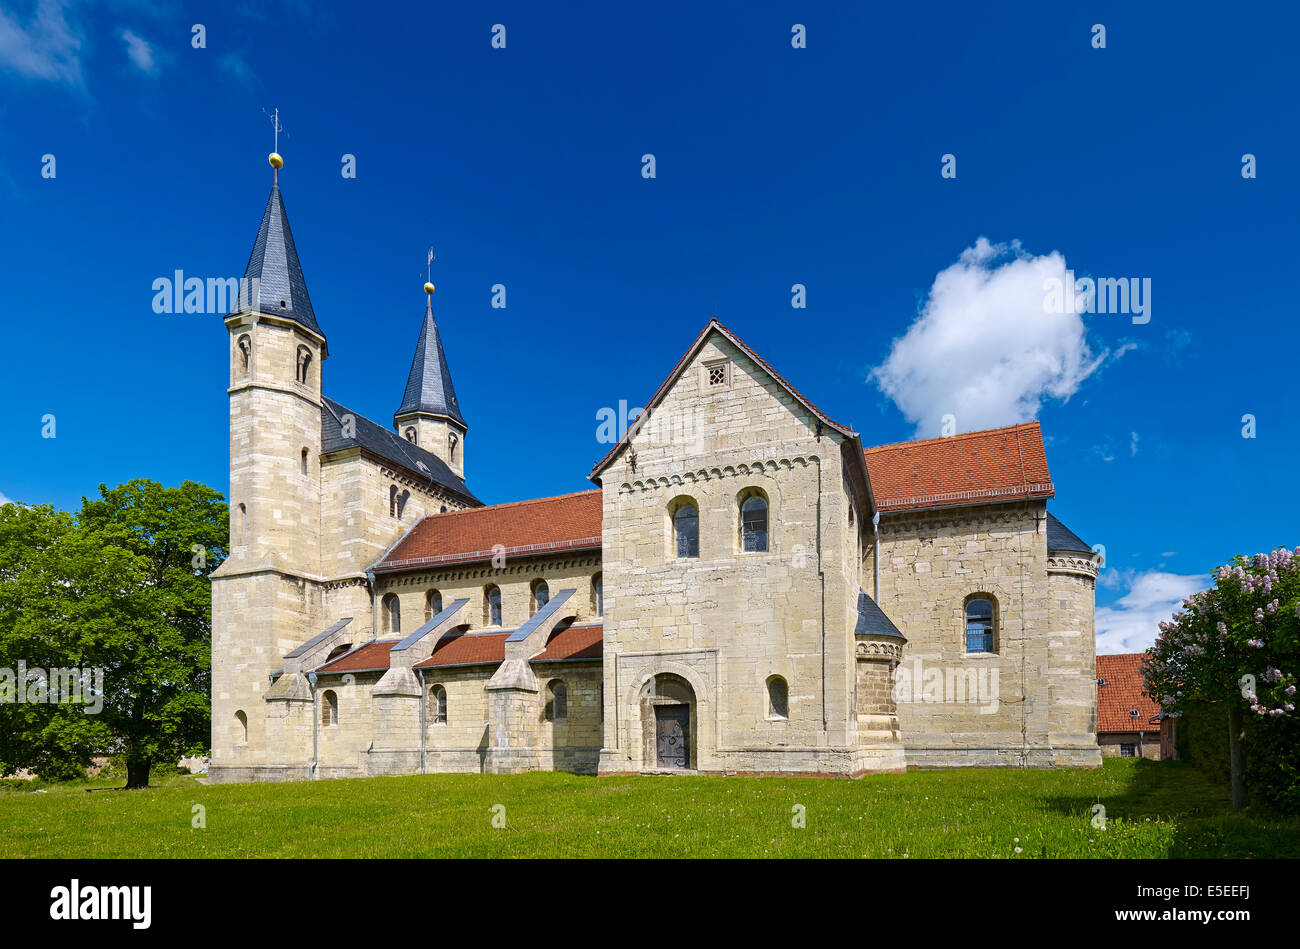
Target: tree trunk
<point>1234,756</point>
<point>137,773</point>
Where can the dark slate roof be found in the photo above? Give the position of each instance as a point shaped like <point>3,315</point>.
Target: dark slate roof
<point>872,620</point>
<point>446,613</point>
<point>386,444</point>
<point>319,637</point>
<point>428,387</point>
<point>546,612</point>
<point>281,289</point>
<point>1060,537</point>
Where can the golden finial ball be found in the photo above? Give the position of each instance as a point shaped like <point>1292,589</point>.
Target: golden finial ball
<point>276,161</point>
<point>428,288</point>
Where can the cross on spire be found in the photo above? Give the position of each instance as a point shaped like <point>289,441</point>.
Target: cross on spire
<point>274,158</point>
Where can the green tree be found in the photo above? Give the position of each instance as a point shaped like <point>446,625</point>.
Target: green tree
<point>122,588</point>
<point>1237,645</point>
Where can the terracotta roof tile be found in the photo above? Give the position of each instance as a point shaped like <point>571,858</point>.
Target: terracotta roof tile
<point>542,525</point>
<point>467,649</point>
<point>997,464</point>
<point>372,655</point>
<point>1122,693</point>
<point>576,642</point>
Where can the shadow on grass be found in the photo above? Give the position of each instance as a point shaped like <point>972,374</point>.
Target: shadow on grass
<point>1205,824</point>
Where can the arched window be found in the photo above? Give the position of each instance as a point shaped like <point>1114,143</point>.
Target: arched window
<point>401,503</point>
<point>245,353</point>
<point>438,705</point>
<point>392,500</point>
<point>304,364</point>
<point>453,442</point>
<point>432,604</point>
<point>443,510</point>
<point>392,610</point>
<point>243,522</point>
<point>304,461</point>
<point>411,435</point>
<point>598,595</point>
<point>492,605</point>
<point>753,522</point>
<point>329,708</point>
<point>778,697</point>
<point>241,727</point>
<point>541,594</point>
<point>980,625</point>
<point>557,701</point>
<point>686,529</point>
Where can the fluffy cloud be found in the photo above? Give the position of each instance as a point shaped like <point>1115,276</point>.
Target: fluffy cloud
<point>140,52</point>
<point>47,47</point>
<point>1130,624</point>
<point>984,347</point>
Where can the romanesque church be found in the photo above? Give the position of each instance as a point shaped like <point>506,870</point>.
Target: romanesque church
<point>746,589</point>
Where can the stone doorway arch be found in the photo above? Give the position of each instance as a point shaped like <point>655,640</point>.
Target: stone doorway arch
<point>669,724</point>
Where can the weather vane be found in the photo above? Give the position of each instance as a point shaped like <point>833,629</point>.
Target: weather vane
<point>428,273</point>
<point>274,158</point>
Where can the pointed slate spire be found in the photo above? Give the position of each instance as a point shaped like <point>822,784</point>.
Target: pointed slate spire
<point>280,287</point>
<point>428,387</point>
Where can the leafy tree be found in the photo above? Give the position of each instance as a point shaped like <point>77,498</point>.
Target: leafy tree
<point>122,588</point>
<point>1236,644</point>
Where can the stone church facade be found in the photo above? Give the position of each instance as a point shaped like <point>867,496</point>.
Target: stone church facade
<point>747,589</point>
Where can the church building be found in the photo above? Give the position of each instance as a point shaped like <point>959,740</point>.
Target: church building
<point>747,588</point>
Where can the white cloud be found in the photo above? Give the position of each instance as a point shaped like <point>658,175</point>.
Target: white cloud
<point>985,347</point>
<point>1131,623</point>
<point>3,499</point>
<point>140,52</point>
<point>1133,444</point>
<point>237,66</point>
<point>47,47</point>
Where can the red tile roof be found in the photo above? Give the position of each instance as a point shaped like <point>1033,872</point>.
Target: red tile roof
<point>681,363</point>
<point>467,649</point>
<point>576,642</point>
<point>373,655</point>
<point>542,525</point>
<point>1122,693</point>
<point>472,649</point>
<point>996,464</point>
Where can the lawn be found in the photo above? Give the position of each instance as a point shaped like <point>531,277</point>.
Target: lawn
<point>1152,810</point>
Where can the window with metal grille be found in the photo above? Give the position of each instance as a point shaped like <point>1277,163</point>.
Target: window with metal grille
<point>1128,751</point>
<point>557,702</point>
<point>979,625</point>
<point>438,705</point>
<point>717,374</point>
<point>753,525</point>
<point>686,524</point>
<point>778,697</point>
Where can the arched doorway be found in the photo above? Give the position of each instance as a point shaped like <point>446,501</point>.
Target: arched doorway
<point>668,723</point>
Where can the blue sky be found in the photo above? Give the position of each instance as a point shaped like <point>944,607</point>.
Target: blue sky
<point>775,166</point>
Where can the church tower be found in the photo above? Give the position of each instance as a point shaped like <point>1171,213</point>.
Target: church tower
<point>429,414</point>
<point>269,590</point>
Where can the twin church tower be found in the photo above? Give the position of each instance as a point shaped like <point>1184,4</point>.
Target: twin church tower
<point>317,492</point>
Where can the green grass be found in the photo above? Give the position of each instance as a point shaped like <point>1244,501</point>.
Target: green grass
<point>1153,810</point>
